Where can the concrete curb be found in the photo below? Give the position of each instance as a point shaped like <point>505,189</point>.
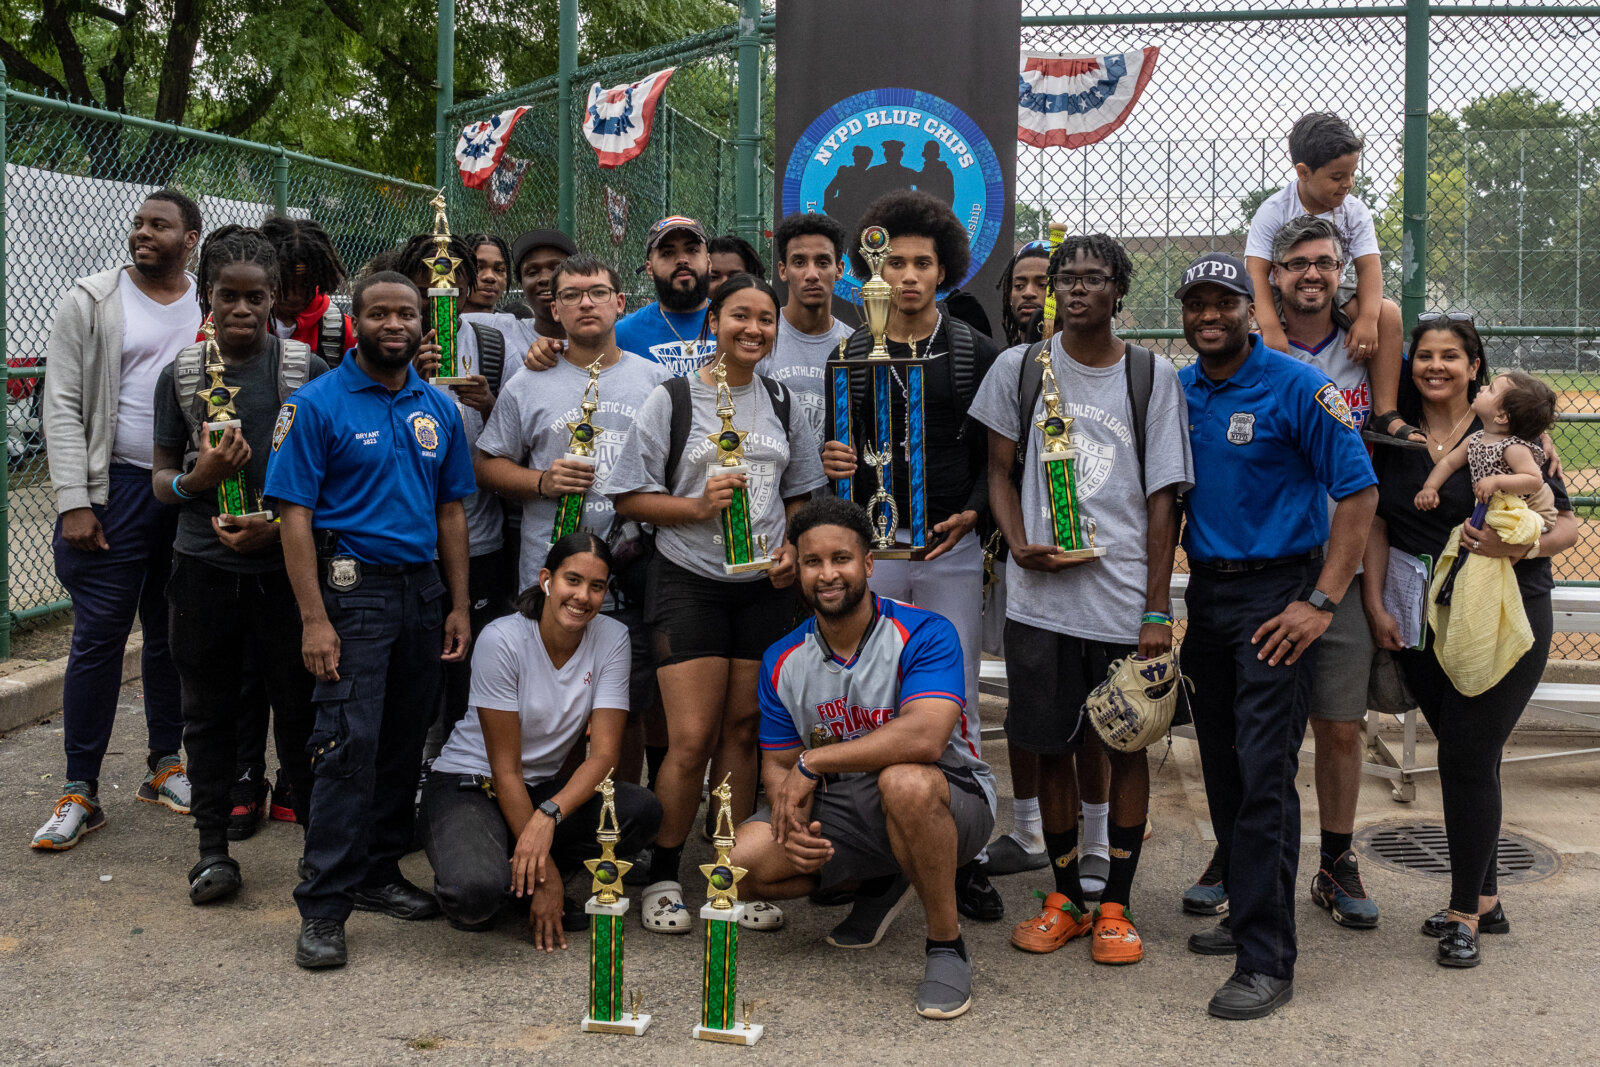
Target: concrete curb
<point>34,694</point>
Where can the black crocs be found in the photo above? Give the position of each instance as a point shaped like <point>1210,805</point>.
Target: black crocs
<point>213,878</point>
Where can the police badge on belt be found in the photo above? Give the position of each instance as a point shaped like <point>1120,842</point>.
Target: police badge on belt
<point>344,573</point>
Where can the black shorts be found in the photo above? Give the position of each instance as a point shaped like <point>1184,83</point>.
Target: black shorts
<point>693,617</point>
<point>1049,676</point>
<point>642,671</point>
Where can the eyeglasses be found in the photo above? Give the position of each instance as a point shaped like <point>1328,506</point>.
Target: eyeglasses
<point>1300,264</point>
<point>1092,283</point>
<point>597,293</point>
<point>1445,316</point>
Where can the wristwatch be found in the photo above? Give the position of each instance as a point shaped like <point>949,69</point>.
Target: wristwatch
<point>1322,601</point>
<point>552,809</point>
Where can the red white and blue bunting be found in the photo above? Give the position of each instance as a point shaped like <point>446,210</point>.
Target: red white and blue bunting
<point>1072,101</point>
<point>481,145</point>
<point>617,121</point>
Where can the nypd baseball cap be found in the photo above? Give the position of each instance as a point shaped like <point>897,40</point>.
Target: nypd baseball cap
<point>1217,269</point>
<point>670,224</point>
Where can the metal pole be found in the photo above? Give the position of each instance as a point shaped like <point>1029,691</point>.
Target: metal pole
<point>1414,203</point>
<point>280,184</point>
<point>445,89</point>
<point>566,64</point>
<point>746,178</point>
<point>1466,218</point>
<point>7,620</point>
<point>1522,199</point>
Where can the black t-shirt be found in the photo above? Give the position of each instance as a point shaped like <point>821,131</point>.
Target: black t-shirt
<point>1401,473</point>
<point>256,404</point>
<point>955,454</point>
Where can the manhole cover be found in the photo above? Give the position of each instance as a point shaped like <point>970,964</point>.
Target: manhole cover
<point>1420,848</point>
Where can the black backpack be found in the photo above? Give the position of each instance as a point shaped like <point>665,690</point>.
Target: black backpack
<point>1139,374</point>
<point>491,354</point>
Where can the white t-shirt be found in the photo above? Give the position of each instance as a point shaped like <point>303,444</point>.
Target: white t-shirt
<point>152,335</point>
<point>511,671</point>
<point>797,360</point>
<point>1352,218</point>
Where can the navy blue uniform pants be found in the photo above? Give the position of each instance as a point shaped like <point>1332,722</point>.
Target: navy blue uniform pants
<point>108,588</point>
<point>366,747</point>
<point>1250,719</point>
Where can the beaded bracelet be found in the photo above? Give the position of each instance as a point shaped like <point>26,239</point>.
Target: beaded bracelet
<point>1156,617</point>
<point>178,489</point>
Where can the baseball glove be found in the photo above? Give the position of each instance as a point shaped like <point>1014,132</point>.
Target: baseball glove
<point>1135,704</point>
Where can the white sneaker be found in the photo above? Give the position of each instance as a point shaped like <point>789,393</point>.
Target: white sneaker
<point>662,909</point>
<point>167,785</point>
<point>761,915</point>
<point>75,815</point>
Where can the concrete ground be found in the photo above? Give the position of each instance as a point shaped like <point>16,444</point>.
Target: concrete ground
<point>105,961</point>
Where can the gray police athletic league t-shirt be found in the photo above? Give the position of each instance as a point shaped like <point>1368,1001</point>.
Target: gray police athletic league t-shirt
<point>484,515</point>
<point>777,471</point>
<point>529,426</point>
<point>1102,600</point>
<point>797,361</point>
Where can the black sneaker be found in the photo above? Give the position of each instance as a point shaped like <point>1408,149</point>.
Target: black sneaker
<point>1208,896</point>
<point>249,806</point>
<point>870,917</point>
<point>321,944</point>
<point>976,897</point>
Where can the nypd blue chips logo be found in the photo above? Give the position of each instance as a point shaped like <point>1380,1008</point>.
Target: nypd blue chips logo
<point>885,139</point>
<point>427,432</point>
<point>280,429</point>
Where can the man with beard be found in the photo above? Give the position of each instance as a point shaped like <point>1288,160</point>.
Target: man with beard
<point>1272,440</point>
<point>369,467</point>
<point>671,330</point>
<point>872,771</point>
<point>809,248</point>
<point>113,333</point>
<point>1307,256</point>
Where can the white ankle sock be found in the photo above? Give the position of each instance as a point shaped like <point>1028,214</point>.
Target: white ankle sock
<point>1095,839</point>
<point>1027,829</point>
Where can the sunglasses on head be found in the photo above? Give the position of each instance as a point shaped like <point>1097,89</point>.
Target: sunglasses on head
<point>1445,316</point>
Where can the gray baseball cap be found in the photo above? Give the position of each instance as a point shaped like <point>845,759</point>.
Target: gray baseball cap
<point>1216,268</point>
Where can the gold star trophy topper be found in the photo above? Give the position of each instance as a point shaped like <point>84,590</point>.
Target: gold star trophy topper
<point>217,394</point>
<point>443,265</point>
<point>1056,427</point>
<point>722,877</point>
<point>584,432</point>
<point>607,870</point>
<point>729,442</point>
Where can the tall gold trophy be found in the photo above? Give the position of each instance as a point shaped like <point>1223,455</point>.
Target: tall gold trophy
<point>443,298</point>
<point>721,913</point>
<point>584,436</point>
<point>606,909</point>
<point>1070,530</point>
<point>235,499</point>
<point>741,551</point>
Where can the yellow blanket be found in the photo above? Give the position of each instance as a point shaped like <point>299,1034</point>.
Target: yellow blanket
<point>1484,631</point>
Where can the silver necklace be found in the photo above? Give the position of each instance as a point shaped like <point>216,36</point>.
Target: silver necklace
<point>926,348</point>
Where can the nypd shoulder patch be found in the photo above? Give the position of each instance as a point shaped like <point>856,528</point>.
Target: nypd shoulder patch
<point>280,429</point>
<point>1332,401</point>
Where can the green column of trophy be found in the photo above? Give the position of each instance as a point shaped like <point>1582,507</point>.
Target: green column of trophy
<point>234,498</point>
<point>741,550</point>
<point>1071,531</point>
<point>585,436</point>
<point>606,909</point>
<point>719,984</point>
<point>443,298</point>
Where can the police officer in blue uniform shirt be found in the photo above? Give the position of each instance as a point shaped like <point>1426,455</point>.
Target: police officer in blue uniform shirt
<point>369,467</point>
<point>1272,441</point>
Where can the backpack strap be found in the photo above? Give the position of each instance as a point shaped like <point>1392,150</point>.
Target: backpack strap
<point>682,407</point>
<point>188,374</point>
<point>330,335</point>
<point>963,369</point>
<point>1139,367</point>
<point>780,400</point>
<point>491,354</point>
<point>294,367</point>
<point>1030,383</point>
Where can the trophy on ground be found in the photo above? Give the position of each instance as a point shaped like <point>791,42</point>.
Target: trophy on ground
<point>883,376</point>
<point>234,498</point>
<point>721,916</point>
<point>1071,531</point>
<point>585,435</point>
<point>442,301</point>
<point>606,909</point>
<point>741,551</point>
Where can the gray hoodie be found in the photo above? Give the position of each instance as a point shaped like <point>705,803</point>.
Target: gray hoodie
<point>83,374</point>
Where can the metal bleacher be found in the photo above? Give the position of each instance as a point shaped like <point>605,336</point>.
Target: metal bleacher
<point>1577,610</point>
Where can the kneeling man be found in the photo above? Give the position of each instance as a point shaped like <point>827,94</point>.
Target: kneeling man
<point>873,778</point>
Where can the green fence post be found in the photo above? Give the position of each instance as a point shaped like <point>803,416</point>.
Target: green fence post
<point>746,175</point>
<point>1414,201</point>
<point>280,183</point>
<point>6,618</point>
<point>445,84</point>
<point>567,63</point>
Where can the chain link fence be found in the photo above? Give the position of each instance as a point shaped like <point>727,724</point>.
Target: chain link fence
<point>73,178</point>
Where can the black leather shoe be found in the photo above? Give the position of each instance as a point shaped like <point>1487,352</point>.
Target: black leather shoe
<point>1217,941</point>
<point>400,899</point>
<point>213,878</point>
<point>1493,921</point>
<point>1459,946</point>
<point>321,944</point>
<point>1251,995</point>
<point>573,917</point>
<point>976,898</point>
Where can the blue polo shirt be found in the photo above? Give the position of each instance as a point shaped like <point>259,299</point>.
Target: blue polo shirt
<point>371,463</point>
<point>1270,445</point>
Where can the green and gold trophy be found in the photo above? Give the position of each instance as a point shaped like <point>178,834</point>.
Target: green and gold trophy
<point>585,435</point>
<point>721,916</point>
<point>741,551</point>
<point>234,498</point>
<point>606,909</point>
<point>443,297</point>
<point>1071,531</point>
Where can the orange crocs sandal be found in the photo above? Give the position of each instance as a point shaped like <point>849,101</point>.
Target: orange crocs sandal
<point>1115,939</point>
<point>1059,922</point>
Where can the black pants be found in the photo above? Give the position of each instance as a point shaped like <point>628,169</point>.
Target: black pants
<point>367,743</point>
<point>1472,733</point>
<point>1249,719</point>
<point>218,619</point>
<point>490,599</point>
<point>469,843</point>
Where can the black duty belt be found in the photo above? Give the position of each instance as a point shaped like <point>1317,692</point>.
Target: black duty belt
<point>1242,566</point>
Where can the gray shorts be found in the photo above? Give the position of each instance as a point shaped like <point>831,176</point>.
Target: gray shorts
<point>1344,663</point>
<point>850,810</point>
